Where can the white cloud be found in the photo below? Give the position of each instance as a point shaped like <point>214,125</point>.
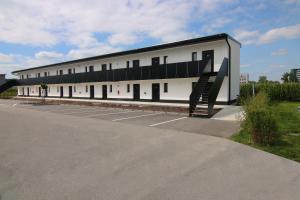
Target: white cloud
<point>280,52</point>
<point>76,22</point>
<point>288,32</point>
<point>216,24</point>
<point>245,65</point>
<point>4,58</point>
<point>246,37</point>
<point>48,55</point>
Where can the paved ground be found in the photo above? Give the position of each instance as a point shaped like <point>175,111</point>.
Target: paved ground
<point>54,155</point>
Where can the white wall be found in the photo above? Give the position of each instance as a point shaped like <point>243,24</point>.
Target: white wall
<point>235,69</point>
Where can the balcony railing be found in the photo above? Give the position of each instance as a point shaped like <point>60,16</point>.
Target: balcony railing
<point>163,71</point>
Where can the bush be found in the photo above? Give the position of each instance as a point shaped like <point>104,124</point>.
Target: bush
<point>12,92</point>
<point>260,120</point>
<point>275,91</point>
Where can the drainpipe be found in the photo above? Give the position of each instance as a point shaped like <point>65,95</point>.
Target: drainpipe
<point>229,70</point>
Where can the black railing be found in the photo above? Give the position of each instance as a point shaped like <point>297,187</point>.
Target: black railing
<point>8,84</point>
<point>164,71</point>
<point>198,88</point>
<point>215,88</point>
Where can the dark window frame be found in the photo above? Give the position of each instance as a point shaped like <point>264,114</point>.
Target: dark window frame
<point>165,59</point>
<point>128,88</point>
<point>194,56</point>
<point>110,88</point>
<point>166,87</point>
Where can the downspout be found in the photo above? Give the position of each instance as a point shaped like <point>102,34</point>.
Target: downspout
<point>229,70</point>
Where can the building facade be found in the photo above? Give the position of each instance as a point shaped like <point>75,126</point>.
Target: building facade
<point>296,73</point>
<point>244,78</point>
<point>162,73</point>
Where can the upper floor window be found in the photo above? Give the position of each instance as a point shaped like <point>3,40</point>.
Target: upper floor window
<point>69,71</point>
<point>194,56</point>
<point>27,76</point>
<point>103,66</point>
<point>39,75</point>
<point>91,68</point>
<point>45,74</point>
<point>110,66</point>
<point>127,64</point>
<point>61,72</point>
<point>73,70</point>
<point>56,72</point>
<point>86,69</point>
<point>22,76</point>
<point>165,59</point>
<point>128,88</point>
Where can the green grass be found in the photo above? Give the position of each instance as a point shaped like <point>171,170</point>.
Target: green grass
<point>8,94</point>
<point>288,145</point>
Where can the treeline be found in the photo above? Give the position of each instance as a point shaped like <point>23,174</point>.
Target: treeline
<point>275,91</point>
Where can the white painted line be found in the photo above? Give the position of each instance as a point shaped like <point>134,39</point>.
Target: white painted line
<point>14,105</point>
<point>136,116</point>
<point>79,112</point>
<point>114,113</point>
<point>167,121</point>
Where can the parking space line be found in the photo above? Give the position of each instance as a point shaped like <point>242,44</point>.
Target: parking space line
<point>168,121</point>
<point>82,112</point>
<point>120,119</point>
<point>112,113</point>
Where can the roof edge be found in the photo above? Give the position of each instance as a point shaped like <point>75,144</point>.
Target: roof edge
<point>141,50</point>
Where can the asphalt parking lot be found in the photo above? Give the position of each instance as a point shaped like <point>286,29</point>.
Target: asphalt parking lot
<point>70,152</point>
<point>165,120</point>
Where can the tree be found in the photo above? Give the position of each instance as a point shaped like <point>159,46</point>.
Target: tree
<point>293,77</point>
<point>44,87</point>
<point>262,79</point>
<point>285,77</point>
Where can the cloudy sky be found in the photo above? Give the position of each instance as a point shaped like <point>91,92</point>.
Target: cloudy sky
<point>35,32</point>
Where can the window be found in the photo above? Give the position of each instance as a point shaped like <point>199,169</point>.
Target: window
<point>45,73</point>
<point>165,87</point>
<point>86,88</point>
<point>27,75</point>
<point>22,76</point>
<point>61,72</point>
<point>110,66</point>
<point>110,88</point>
<point>86,69</point>
<point>73,70</point>
<point>69,71</point>
<point>127,64</point>
<point>56,72</point>
<point>194,56</point>
<point>91,68</point>
<point>165,59</point>
<point>74,88</point>
<point>103,66</point>
<point>39,75</point>
<point>128,88</point>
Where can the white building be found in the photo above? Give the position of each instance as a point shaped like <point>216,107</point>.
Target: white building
<point>184,71</point>
<point>244,78</point>
<point>297,73</point>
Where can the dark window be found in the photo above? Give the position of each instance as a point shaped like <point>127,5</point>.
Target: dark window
<point>69,71</point>
<point>127,64</point>
<point>135,63</point>
<point>165,87</point>
<point>39,75</point>
<point>103,67</point>
<point>86,69</point>
<point>22,76</point>
<point>155,61</point>
<point>128,88</point>
<point>165,59</point>
<point>61,72</point>
<point>45,73</point>
<point>194,56</point>
<point>110,66</point>
<point>110,88</point>
<point>27,76</point>
<point>91,68</point>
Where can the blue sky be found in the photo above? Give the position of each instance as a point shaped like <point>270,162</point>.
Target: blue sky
<point>34,33</point>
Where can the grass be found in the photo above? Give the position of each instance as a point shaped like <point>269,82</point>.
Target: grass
<point>288,145</point>
<point>12,92</point>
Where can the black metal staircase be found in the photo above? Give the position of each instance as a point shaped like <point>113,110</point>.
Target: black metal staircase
<point>205,92</point>
<point>7,84</point>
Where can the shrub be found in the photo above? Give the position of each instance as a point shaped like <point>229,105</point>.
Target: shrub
<point>260,120</point>
<point>275,91</point>
<point>10,93</point>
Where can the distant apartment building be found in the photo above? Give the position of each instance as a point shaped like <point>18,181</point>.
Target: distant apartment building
<point>244,78</point>
<point>297,73</point>
<point>2,78</point>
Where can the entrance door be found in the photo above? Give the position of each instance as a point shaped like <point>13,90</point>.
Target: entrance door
<point>61,91</point>
<point>136,63</point>
<point>40,92</point>
<point>70,92</point>
<point>136,92</point>
<point>155,92</point>
<point>92,93</point>
<point>155,61</point>
<point>209,54</point>
<point>104,91</point>
<point>27,91</point>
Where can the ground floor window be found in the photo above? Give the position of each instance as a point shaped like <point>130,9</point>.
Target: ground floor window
<point>128,88</point>
<point>110,88</point>
<point>165,87</point>
<point>86,88</point>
